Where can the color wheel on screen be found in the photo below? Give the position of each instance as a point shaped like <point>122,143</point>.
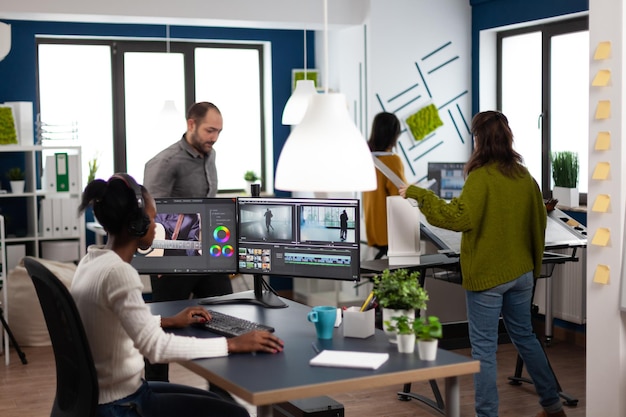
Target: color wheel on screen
<point>221,234</point>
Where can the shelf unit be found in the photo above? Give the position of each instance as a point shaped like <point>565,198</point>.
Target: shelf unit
<point>21,212</point>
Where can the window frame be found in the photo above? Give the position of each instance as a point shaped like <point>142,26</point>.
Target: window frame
<point>119,46</point>
<point>548,30</point>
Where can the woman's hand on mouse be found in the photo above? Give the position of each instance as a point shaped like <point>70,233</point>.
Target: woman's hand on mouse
<point>255,341</point>
<point>189,315</point>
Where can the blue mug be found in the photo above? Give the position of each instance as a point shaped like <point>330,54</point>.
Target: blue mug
<point>324,318</point>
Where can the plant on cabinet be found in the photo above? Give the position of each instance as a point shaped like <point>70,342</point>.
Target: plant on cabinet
<point>565,175</point>
<point>16,179</point>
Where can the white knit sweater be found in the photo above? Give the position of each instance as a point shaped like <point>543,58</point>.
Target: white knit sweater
<point>120,328</point>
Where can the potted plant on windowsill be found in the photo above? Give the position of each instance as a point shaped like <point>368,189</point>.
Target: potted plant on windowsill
<point>17,180</point>
<point>399,293</point>
<point>565,175</point>
<point>250,177</point>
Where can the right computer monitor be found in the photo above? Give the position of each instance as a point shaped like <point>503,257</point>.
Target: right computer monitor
<point>450,178</point>
<point>299,237</point>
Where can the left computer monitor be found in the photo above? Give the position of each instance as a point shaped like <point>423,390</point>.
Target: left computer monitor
<point>194,236</point>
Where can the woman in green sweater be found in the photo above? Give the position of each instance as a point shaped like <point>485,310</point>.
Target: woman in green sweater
<point>502,217</point>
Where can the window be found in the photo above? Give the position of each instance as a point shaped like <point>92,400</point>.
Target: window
<point>543,88</point>
<point>116,94</point>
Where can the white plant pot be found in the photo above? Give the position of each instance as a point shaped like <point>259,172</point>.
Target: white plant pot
<point>406,343</point>
<point>567,197</point>
<point>17,187</point>
<point>427,349</point>
<point>388,313</point>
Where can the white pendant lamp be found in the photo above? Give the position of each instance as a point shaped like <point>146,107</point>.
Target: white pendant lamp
<point>325,151</point>
<point>299,101</point>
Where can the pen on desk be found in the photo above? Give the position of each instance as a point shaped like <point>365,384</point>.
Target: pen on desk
<point>315,348</point>
<point>367,302</point>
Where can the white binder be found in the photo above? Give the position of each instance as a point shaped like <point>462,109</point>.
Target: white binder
<point>57,217</point>
<point>69,221</point>
<point>45,217</point>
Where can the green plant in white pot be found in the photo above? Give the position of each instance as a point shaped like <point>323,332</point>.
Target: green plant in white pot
<point>399,293</point>
<point>428,331</point>
<point>402,326</point>
<point>565,169</point>
<point>17,180</point>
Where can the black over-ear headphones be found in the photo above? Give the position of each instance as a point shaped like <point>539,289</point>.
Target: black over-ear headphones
<point>139,222</point>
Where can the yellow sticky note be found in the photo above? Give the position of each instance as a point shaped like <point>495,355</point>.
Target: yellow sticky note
<point>602,78</point>
<point>602,203</point>
<point>603,111</point>
<point>601,172</point>
<point>603,141</point>
<point>603,50</point>
<point>602,237</point>
<point>601,276</point>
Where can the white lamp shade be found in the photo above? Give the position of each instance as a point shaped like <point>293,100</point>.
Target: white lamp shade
<point>298,102</point>
<point>5,39</point>
<point>326,152</point>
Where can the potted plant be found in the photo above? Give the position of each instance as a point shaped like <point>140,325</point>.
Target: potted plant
<point>16,178</point>
<point>399,293</point>
<point>251,177</point>
<point>403,327</point>
<point>93,168</point>
<point>428,331</point>
<point>565,175</point>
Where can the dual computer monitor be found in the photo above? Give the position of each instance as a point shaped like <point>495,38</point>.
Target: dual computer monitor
<point>295,237</point>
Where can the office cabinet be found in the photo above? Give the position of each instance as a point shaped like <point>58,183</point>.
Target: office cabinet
<point>27,218</point>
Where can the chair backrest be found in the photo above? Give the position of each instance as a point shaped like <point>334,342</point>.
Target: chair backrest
<point>77,382</point>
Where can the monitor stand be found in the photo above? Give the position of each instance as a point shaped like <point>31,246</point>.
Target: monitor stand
<point>263,295</point>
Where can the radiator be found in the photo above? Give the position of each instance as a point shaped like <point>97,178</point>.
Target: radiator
<point>569,296</point>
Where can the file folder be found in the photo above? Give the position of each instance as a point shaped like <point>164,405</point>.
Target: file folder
<point>62,176</point>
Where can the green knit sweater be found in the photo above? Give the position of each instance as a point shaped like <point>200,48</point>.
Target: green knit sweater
<point>503,222</point>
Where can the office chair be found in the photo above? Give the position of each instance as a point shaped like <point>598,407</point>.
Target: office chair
<point>77,383</point>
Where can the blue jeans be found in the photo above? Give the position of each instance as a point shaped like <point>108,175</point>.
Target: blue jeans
<point>156,399</point>
<point>513,301</point>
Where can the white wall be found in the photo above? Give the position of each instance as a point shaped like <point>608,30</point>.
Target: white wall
<point>606,335</point>
<point>404,35</point>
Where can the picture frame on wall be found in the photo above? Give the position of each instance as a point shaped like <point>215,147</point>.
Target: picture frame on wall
<point>300,74</point>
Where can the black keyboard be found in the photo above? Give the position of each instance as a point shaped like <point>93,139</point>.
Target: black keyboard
<point>231,326</point>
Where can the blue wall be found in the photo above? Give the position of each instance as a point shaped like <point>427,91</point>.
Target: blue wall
<point>18,72</point>
<point>487,14</point>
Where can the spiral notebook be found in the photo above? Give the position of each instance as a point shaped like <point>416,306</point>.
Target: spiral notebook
<point>349,359</point>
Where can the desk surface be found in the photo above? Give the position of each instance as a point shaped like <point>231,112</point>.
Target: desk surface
<point>263,379</point>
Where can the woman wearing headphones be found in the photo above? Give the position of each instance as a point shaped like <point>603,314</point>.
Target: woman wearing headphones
<point>119,326</point>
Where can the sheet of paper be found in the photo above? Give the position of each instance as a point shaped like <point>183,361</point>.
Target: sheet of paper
<point>602,203</point>
<point>601,171</point>
<point>602,274</point>
<point>603,111</point>
<point>602,237</point>
<point>602,78</point>
<point>349,359</point>
<point>603,141</point>
<point>603,50</point>
<point>380,165</point>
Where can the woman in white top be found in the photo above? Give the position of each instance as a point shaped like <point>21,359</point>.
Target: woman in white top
<point>119,326</point>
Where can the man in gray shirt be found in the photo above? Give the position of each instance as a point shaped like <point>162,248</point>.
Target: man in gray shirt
<point>186,169</point>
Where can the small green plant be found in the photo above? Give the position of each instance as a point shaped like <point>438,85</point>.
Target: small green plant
<point>93,168</point>
<point>565,169</point>
<point>15,174</point>
<point>403,325</point>
<point>251,176</point>
<point>428,328</point>
<point>399,290</point>
<point>8,134</point>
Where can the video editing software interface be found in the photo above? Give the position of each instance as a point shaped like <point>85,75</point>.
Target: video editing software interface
<point>193,236</point>
<point>450,178</point>
<point>299,237</point>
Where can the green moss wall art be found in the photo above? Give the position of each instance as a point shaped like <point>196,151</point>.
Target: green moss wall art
<point>425,121</point>
<point>8,135</point>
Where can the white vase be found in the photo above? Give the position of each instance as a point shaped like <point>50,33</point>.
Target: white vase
<point>388,313</point>
<point>17,187</point>
<point>427,349</point>
<point>406,343</point>
<point>567,197</point>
